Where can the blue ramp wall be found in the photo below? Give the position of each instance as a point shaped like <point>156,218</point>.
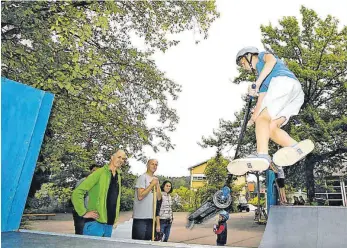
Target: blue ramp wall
<point>271,196</point>
<point>24,115</point>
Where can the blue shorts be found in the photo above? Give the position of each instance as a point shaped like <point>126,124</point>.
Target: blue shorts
<point>94,228</point>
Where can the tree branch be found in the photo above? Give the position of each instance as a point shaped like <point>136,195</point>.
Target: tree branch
<point>315,94</point>
<point>330,154</point>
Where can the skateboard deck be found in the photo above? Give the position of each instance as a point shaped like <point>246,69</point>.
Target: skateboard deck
<point>241,166</point>
<point>288,156</point>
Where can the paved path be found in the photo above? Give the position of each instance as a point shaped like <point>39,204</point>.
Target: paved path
<point>242,231</point>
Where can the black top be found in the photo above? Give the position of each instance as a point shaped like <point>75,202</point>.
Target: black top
<point>159,202</point>
<point>222,238</point>
<point>112,195</point>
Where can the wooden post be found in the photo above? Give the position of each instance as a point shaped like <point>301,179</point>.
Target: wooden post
<point>154,210</point>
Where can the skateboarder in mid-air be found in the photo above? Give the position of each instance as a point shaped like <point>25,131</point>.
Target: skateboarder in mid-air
<point>280,96</point>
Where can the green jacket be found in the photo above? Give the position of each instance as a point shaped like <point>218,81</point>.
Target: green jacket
<point>96,185</point>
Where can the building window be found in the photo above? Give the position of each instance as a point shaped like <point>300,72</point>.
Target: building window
<point>199,178</point>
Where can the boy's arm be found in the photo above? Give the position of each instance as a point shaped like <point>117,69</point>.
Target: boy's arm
<point>270,62</point>
<point>220,229</point>
<point>258,106</point>
<point>256,111</point>
<point>79,193</point>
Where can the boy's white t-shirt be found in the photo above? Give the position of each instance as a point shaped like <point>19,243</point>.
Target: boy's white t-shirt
<point>143,209</point>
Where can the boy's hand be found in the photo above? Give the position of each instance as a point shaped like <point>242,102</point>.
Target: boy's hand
<point>250,123</point>
<point>251,91</point>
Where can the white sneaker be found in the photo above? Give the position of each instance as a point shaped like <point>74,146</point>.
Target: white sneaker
<point>287,156</point>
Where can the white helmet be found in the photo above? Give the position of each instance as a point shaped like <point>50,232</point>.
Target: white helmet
<point>244,51</point>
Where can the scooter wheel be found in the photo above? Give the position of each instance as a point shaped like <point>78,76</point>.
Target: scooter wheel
<point>220,200</point>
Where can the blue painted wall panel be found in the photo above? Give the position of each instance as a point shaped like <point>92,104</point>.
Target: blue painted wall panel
<point>15,139</point>
<point>271,196</point>
<point>25,112</point>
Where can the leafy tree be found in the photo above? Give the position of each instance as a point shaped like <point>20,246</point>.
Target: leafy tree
<point>216,175</point>
<point>49,198</point>
<point>216,171</point>
<point>184,199</point>
<point>316,52</point>
<point>128,179</point>
<point>177,182</point>
<point>105,87</point>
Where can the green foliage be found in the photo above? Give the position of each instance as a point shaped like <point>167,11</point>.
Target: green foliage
<point>184,199</point>
<point>105,87</point>
<point>49,198</point>
<point>128,179</point>
<point>315,50</point>
<point>254,201</point>
<point>177,182</point>
<point>127,199</point>
<point>216,171</point>
<point>51,191</point>
<point>216,174</point>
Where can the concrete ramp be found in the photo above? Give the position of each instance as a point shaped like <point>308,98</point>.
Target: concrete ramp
<point>36,239</point>
<point>306,226</point>
<point>123,230</point>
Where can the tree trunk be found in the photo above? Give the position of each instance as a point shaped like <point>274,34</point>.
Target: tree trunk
<point>309,168</point>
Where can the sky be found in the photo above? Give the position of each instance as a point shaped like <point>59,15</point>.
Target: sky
<point>204,71</point>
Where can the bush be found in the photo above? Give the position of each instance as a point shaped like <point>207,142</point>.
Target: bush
<point>254,201</point>
<point>184,199</point>
<point>127,199</point>
<point>49,199</point>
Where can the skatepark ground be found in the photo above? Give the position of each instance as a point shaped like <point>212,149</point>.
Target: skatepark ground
<point>242,231</point>
<point>287,227</point>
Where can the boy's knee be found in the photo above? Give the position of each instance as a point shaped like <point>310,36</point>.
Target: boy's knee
<point>262,118</point>
<point>277,123</point>
<point>273,127</point>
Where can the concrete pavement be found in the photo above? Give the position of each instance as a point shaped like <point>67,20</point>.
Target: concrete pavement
<point>242,231</point>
